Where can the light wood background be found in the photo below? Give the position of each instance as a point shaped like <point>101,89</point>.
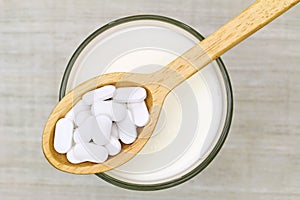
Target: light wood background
<point>261,157</point>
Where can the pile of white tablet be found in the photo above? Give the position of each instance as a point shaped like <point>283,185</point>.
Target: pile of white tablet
<point>95,127</point>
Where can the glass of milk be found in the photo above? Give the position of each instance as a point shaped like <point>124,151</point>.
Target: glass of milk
<point>196,116</point>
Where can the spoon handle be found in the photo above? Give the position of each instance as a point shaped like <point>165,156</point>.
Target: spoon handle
<point>257,15</point>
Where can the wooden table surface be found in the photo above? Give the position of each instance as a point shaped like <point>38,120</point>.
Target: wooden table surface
<point>261,157</point>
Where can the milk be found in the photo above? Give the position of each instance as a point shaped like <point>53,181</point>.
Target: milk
<point>192,115</point>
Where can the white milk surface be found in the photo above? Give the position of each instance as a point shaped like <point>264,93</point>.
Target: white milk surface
<point>192,115</point>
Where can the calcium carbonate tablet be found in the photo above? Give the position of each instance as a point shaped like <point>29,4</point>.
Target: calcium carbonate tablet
<point>99,94</point>
<point>127,130</point>
<point>63,135</point>
<point>90,152</point>
<point>130,94</point>
<point>139,113</point>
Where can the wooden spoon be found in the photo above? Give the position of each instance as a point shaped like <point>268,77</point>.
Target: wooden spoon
<point>160,83</point>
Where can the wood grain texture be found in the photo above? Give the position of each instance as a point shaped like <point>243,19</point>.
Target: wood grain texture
<point>243,25</point>
<point>261,157</point>
<point>247,22</point>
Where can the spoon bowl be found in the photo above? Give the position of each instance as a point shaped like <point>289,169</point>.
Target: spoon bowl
<point>160,83</point>
<point>154,102</point>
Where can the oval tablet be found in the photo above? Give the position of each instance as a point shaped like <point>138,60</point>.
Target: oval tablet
<point>127,130</point>
<point>130,94</point>
<point>126,139</point>
<point>113,146</point>
<point>115,111</point>
<point>90,152</point>
<point>102,135</point>
<point>99,94</point>
<point>139,113</point>
<point>79,107</point>
<point>71,158</point>
<point>63,135</point>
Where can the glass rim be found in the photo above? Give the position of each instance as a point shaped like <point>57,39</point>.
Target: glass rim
<point>228,118</point>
